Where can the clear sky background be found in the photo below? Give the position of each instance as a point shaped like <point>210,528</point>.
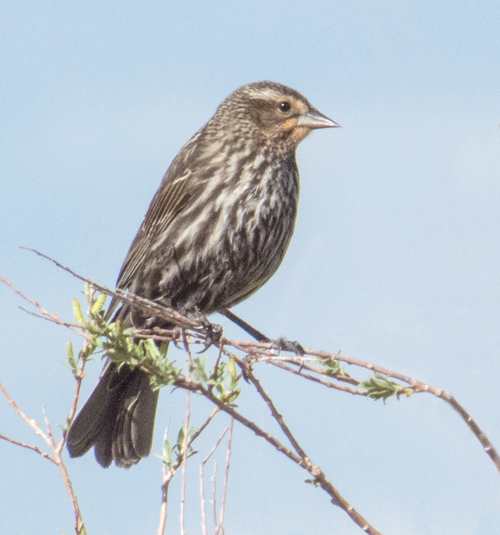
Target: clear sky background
<point>395,258</point>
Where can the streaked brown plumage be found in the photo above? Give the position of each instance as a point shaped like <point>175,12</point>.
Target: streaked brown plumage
<point>215,232</point>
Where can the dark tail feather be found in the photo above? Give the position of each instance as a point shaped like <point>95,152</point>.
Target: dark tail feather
<point>118,418</point>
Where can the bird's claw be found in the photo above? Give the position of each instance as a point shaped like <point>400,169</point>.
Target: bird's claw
<point>247,367</point>
<point>288,345</point>
<point>213,333</point>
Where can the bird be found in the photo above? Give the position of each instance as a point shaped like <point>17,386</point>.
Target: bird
<point>216,231</point>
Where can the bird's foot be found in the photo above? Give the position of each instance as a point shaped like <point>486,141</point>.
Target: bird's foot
<point>247,367</point>
<point>288,345</point>
<point>212,331</point>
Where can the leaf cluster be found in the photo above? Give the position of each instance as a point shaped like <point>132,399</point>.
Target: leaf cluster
<point>122,345</point>
<point>380,387</point>
<point>170,451</point>
<point>222,380</point>
<point>118,343</point>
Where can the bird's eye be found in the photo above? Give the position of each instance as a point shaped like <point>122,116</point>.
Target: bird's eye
<point>284,106</point>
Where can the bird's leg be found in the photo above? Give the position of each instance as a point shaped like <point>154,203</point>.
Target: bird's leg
<point>213,332</point>
<point>282,343</point>
<point>252,331</point>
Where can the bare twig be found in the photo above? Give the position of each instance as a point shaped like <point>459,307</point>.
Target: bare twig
<point>32,423</point>
<point>220,528</point>
<point>48,437</point>
<point>79,525</point>
<point>214,495</point>
<point>29,447</point>
<point>419,386</point>
<point>169,472</point>
<point>78,378</point>
<point>248,372</point>
<point>474,427</point>
<point>328,384</point>
<point>184,454</point>
<point>44,314</point>
<point>260,351</point>
<point>56,458</point>
<point>315,471</point>
<point>146,305</point>
<point>202,486</point>
<point>202,502</point>
<point>167,477</point>
<point>200,389</point>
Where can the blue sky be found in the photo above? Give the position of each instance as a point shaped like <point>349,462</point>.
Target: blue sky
<point>395,257</point>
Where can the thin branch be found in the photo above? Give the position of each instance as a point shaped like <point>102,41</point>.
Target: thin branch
<point>315,471</point>
<point>32,423</point>
<point>474,427</point>
<point>79,525</point>
<point>146,305</point>
<point>328,384</point>
<point>56,459</point>
<point>249,375</point>
<point>184,460</point>
<point>202,502</point>
<point>167,477</point>
<point>212,451</point>
<point>185,444</point>
<point>75,327</point>
<point>226,478</point>
<point>419,386</point>
<point>260,350</point>
<point>44,314</point>
<point>214,496</point>
<point>79,379</point>
<point>306,363</point>
<point>29,447</point>
<point>202,485</point>
<point>200,389</point>
<point>169,472</point>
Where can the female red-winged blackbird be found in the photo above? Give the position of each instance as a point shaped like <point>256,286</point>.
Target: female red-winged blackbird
<point>216,231</point>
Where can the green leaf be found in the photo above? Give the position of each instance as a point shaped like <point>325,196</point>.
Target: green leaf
<point>71,357</point>
<point>332,368</point>
<point>98,304</point>
<point>229,397</point>
<point>164,350</point>
<point>167,453</point>
<point>199,369</point>
<point>380,387</point>
<point>77,311</point>
<point>232,369</point>
<point>70,353</point>
<point>180,438</point>
<point>151,351</point>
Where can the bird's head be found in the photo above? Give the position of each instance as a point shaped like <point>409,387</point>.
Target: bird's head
<point>272,112</point>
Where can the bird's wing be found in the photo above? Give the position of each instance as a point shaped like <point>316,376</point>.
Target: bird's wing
<point>173,194</point>
<point>169,200</point>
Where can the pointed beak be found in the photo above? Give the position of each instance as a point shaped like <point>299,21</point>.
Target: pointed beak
<point>314,119</point>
